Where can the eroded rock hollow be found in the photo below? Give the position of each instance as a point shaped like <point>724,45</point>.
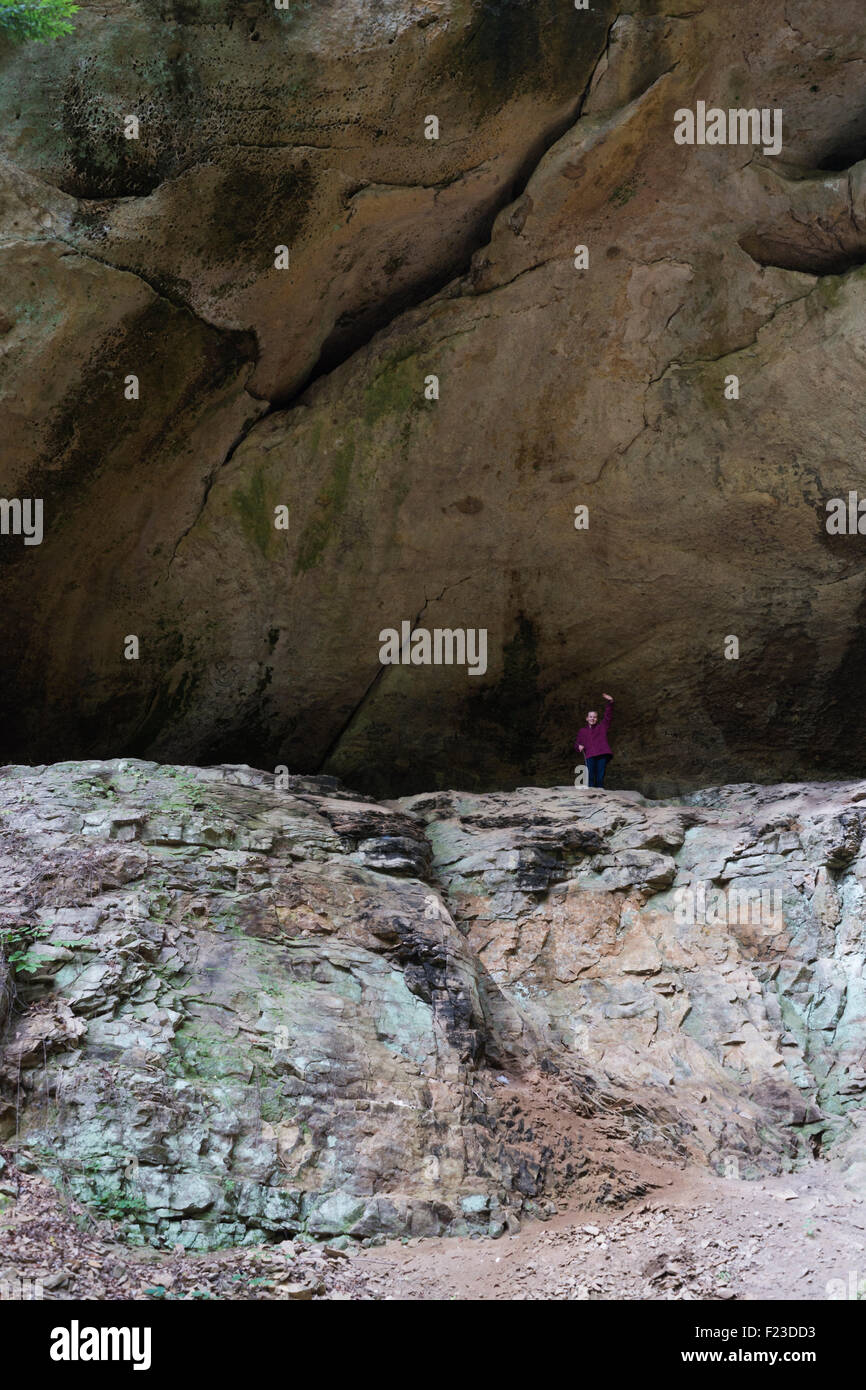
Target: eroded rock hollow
<point>306,388</point>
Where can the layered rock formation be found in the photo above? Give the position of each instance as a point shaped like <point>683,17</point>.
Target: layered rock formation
<point>237,1009</point>
<point>558,387</point>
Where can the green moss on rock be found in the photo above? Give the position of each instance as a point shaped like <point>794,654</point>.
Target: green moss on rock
<point>327,509</point>
<point>256,516</point>
<point>396,387</point>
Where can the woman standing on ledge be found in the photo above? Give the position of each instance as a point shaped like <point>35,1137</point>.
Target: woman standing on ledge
<point>592,743</point>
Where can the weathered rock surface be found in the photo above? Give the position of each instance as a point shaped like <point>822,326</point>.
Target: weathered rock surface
<point>559,387</point>
<point>240,1011</point>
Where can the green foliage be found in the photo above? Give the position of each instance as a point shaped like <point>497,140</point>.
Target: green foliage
<point>118,1203</point>
<point>36,20</point>
<point>15,947</point>
<point>18,943</point>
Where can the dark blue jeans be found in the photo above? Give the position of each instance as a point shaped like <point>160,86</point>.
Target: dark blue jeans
<point>597,768</point>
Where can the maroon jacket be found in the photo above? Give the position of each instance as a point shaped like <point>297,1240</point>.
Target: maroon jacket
<point>594,739</point>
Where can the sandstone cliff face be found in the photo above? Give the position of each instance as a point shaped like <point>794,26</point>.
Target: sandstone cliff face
<point>239,1010</point>
<point>559,387</point>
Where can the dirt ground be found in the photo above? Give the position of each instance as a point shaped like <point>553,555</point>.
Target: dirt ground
<point>694,1236</point>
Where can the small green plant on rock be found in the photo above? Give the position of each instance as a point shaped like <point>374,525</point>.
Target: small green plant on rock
<point>16,947</point>
<point>36,21</point>
<point>118,1204</point>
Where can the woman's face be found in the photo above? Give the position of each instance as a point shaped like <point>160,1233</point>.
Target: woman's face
<point>592,718</point>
